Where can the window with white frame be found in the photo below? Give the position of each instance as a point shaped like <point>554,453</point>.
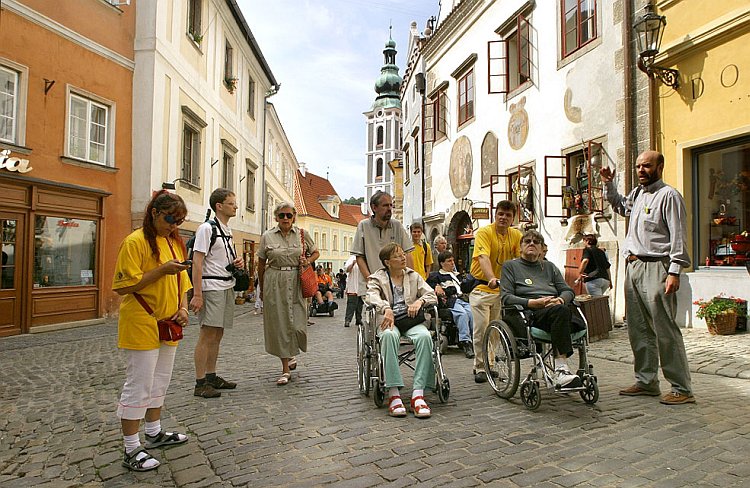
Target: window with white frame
<point>251,96</point>
<point>466,97</point>
<point>192,136</point>
<point>88,129</point>
<point>227,170</point>
<point>250,169</point>
<point>435,115</point>
<point>229,80</point>
<point>578,24</point>
<point>346,243</point>
<point>510,59</point>
<point>8,105</point>
<point>324,242</point>
<point>407,151</point>
<point>335,243</point>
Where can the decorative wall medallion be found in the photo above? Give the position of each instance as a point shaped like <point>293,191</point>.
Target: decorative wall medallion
<point>518,125</point>
<point>461,167</point>
<point>489,157</point>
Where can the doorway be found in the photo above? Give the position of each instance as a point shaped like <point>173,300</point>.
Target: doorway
<point>11,275</point>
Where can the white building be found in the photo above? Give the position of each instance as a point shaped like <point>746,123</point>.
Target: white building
<point>200,87</point>
<point>281,166</point>
<point>524,101</point>
<point>383,130</point>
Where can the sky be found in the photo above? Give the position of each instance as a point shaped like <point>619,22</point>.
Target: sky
<point>327,54</point>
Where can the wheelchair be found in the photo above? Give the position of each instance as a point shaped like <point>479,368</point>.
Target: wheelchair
<point>448,328</point>
<point>370,366</point>
<point>326,307</point>
<point>504,349</point>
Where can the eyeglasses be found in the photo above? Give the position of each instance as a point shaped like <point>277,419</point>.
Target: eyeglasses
<point>169,218</point>
<point>529,241</point>
<point>284,215</point>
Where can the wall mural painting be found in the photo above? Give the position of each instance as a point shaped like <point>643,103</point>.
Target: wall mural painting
<point>461,167</point>
<point>489,157</point>
<point>518,125</point>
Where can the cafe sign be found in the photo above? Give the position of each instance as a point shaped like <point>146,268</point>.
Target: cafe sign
<point>479,213</point>
<point>13,164</point>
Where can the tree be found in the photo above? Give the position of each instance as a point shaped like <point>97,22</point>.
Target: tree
<point>354,201</point>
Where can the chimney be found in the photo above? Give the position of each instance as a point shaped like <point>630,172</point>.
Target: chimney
<point>303,168</point>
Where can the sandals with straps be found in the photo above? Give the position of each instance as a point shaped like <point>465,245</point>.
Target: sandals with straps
<point>420,411</point>
<point>393,407</point>
<point>165,439</point>
<point>292,364</point>
<point>284,379</point>
<point>132,462</point>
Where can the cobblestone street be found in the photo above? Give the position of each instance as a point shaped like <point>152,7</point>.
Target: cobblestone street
<point>58,424</point>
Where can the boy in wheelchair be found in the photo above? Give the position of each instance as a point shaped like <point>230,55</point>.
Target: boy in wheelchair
<point>323,300</point>
<point>452,302</point>
<point>538,286</point>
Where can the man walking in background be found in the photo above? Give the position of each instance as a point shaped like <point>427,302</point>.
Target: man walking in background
<point>422,254</point>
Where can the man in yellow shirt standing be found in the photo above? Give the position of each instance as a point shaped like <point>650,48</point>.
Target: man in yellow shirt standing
<point>422,254</point>
<point>493,245</point>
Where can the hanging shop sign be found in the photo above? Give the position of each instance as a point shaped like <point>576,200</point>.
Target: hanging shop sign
<point>13,164</point>
<point>478,213</point>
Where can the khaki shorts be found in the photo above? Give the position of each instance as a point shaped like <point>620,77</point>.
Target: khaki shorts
<point>218,308</point>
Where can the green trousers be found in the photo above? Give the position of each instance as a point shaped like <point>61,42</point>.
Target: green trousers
<point>424,370</point>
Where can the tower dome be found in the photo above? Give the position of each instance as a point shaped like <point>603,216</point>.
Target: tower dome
<point>388,84</point>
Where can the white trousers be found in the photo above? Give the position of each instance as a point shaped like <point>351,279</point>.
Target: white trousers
<point>146,381</point>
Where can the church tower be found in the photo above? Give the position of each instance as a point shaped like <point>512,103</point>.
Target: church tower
<point>383,130</point>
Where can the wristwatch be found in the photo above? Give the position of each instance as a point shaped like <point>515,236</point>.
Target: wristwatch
<point>674,274</point>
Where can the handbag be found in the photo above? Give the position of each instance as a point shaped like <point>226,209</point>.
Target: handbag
<point>169,329</point>
<point>308,281</point>
<point>240,275</point>
<point>401,316</point>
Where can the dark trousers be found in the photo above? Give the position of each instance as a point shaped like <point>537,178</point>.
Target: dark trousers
<point>556,321</point>
<point>353,305</point>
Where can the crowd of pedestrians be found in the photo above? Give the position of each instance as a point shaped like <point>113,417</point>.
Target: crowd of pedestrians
<point>396,272</point>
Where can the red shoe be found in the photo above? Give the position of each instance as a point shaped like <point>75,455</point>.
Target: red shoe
<point>397,409</point>
<point>421,411</point>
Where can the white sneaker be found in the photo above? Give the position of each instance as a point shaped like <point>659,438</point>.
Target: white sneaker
<point>565,379</point>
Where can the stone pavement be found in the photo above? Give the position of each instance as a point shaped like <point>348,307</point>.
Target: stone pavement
<point>58,426</point>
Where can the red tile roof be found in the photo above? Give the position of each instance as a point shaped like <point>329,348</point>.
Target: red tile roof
<point>310,189</point>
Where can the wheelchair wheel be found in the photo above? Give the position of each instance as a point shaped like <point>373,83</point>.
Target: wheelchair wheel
<point>501,363</point>
<point>363,361</point>
<point>443,389</point>
<point>378,394</point>
<point>590,393</point>
<point>530,395</point>
<point>442,383</point>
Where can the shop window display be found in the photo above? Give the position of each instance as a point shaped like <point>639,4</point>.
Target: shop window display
<point>8,244</point>
<point>722,203</point>
<point>64,251</point>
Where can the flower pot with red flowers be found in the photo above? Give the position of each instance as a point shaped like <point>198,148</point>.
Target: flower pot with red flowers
<point>721,313</point>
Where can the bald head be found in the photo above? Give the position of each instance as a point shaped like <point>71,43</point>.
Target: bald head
<point>649,167</point>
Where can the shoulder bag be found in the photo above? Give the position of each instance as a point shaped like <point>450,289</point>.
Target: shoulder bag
<point>401,316</point>
<point>308,281</point>
<point>169,329</point>
<point>240,275</point>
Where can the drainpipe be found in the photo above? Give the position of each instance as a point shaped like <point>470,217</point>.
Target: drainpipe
<point>628,86</point>
<point>263,193</point>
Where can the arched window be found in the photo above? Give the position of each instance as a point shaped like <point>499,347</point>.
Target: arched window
<point>379,168</point>
<point>379,138</point>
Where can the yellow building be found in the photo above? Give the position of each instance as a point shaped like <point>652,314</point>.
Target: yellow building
<point>703,129</point>
<point>331,224</point>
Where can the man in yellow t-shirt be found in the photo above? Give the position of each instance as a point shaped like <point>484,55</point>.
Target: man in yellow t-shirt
<point>493,245</point>
<point>422,254</point>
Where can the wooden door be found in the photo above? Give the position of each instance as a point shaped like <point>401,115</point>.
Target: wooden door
<point>572,262</point>
<point>11,275</point>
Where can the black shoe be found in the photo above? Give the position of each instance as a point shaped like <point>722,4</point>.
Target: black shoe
<point>346,324</point>
<point>468,349</point>
<point>206,391</point>
<point>480,377</point>
<point>333,306</point>
<point>220,383</point>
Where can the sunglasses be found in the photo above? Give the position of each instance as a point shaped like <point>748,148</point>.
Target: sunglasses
<point>284,215</point>
<point>168,218</point>
<point>529,241</point>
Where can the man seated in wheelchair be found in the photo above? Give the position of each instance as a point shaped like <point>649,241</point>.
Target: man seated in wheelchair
<point>324,295</point>
<point>448,290</point>
<point>399,294</point>
<point>538,286</point>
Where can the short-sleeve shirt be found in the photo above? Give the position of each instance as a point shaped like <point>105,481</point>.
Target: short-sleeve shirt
<point>419,256</point>
<point>217,258</point>
<point>136,328</point>
<point>370,239</point>
<point>488,242</point>
<point>324,279</point>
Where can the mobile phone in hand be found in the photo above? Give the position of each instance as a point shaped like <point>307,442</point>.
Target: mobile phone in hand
<point>186,263</point>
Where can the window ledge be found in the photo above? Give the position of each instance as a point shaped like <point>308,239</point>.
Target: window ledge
<point>189,186</point>
<point>592,44</point>
<point>467,123</point>
<point>518,90</point>
<point>196,44</point>
<point>19,149</point>
<point>88,164</point>
<point>250,209</point>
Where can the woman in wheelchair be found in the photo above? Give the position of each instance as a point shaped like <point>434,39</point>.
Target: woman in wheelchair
<point>537,285</point>
<point>398,294</point>
<point>448,289</point>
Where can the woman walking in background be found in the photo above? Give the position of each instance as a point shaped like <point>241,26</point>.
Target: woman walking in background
<point>150,274</point>
<point>280,261</point>
<point>594,268</point>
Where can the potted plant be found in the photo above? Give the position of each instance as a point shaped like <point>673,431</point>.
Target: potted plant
<point>231,84</point>
<point>741,243</point>
<point>720,313</point>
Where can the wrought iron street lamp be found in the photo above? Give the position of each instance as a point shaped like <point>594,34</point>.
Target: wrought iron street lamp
<point>649,30</point>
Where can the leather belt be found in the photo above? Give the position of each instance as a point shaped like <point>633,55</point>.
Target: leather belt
<point>284,268</point>
<point>645,259</point>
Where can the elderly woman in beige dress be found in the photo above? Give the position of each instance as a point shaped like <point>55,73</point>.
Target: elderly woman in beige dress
<point>280,261</point>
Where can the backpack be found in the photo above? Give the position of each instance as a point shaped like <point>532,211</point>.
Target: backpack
<point>190,244</point>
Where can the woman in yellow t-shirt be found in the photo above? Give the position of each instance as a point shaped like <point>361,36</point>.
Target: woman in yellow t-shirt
<point>150,269</point>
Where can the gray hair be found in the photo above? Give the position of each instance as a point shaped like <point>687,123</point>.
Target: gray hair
<point>281,205</point>
<point>440,238</point>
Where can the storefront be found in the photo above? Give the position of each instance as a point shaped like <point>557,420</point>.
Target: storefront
<point>51,253</point>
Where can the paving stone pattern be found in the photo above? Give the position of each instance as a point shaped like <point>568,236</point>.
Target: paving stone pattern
<point>58,426</point>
